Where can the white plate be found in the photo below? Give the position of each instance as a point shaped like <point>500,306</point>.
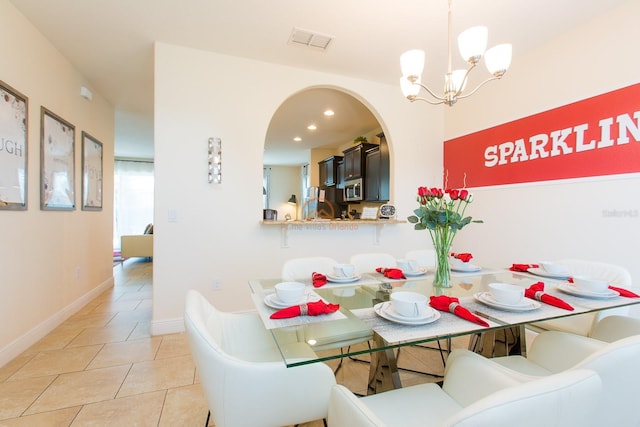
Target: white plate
<point>273,301</point>
<point>336,279</point>
<point>386,311</point>
<point>544,273</point>
<point>418,272</point>
<point>525,305</point>
<point>571,289</point>
<point>466,269</point>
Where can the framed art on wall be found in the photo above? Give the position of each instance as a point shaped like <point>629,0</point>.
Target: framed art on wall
<point>91,173</point>
<point>13,148</point>
<point>57,162</point>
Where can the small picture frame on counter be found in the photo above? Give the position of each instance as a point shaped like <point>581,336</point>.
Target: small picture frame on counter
<point>387,211</point>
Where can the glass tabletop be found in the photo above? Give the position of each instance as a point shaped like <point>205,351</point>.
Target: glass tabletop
<point>362,315</point>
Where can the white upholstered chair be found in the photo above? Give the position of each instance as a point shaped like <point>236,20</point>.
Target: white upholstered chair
<point>302,268</point>
<point>475,396</point>
<point>368,262</point>
<point>244,378</point>
<point>426,258</point>
<point>617,364</point>
<point>583,324</point>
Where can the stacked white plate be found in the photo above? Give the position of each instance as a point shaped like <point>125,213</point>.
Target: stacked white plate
<point>386,311</point>
<point>525,305</point>
<point>544,273</point>
<point>465,268</point>
<point>572,289</point>
<point>337,279</point>
<point>272,300</point>
<point>413,273</point>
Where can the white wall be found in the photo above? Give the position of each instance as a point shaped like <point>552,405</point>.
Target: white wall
<point>41,251</point>
<point>218,233</point>
<point>528,223</point>
<point>285,181</point>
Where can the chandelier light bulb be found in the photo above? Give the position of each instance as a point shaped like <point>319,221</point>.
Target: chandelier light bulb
<point>412,63</point>
<point>498,59</point>
<point>472,43</point>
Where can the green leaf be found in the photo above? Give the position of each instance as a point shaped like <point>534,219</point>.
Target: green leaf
<point>419,226</point>
<point>413,219</point>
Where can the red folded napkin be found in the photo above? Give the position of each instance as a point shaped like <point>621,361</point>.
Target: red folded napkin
<point>622,291</point>
<point>523,267</point>
<point>535,291</point>
<point>318,279</point>
<point>464,257</point>
<point>452,305</point>
<point>391,273</point>
<point>309,309</point>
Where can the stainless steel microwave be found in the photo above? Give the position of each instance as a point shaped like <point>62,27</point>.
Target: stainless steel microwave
<point>353,190</point>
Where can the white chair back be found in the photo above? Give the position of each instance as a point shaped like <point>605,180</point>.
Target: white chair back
<point>367,263</point>
<point>425,257</point>
<point>302,268</point>
<point>244,379</point>
<point>584,323</point>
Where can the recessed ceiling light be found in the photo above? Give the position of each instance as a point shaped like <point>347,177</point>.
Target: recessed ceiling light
<point>312,127</point>
<point>329,113</point>
<point>297,139</point>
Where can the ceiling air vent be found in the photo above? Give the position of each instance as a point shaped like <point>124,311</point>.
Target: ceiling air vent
<point>309,39</point>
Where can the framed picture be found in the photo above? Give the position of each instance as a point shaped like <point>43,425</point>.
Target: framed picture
<point>57,162</point>
<point>13,148</point>
<point>91,173</point>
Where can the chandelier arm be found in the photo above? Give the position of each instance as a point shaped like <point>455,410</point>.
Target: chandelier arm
<point>415,98</point>
<point>431,92</point>
<point>464,81</point>
<point>479,86</point>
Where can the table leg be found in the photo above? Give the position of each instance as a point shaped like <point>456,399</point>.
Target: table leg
<point>507,341</point>
<point>383,371</point>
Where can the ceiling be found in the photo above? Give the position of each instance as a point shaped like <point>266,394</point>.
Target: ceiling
<point>111,42</point>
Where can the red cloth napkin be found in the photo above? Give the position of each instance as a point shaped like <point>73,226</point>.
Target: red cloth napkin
<point>452,305</point>
<point>309,309</point>
<point>535,291</point>
<point>318,279</point>
<point>391,273</point>
<point>622,291</point>
<point>464,257</point>
<point>523,267</point>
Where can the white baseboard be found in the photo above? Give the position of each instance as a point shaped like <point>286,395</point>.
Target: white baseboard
<point>167,326</point>
<point>20,344</point>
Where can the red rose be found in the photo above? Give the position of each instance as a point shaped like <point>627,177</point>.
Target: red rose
<point>423,191</point>
<point>464,194</point>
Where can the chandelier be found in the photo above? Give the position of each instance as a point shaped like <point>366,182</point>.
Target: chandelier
<point>471,44</point>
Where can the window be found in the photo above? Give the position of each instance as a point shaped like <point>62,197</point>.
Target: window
<point>133,198</point>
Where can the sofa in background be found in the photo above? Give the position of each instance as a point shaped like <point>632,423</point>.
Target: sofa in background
<point>137,245</point>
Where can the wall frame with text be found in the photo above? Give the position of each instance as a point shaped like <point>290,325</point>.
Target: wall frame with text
<point>14,127</point>
<point>57,162</point>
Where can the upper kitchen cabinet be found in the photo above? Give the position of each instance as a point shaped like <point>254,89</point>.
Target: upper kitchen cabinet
<point>376,182</point>
<point>354,160</point>
<point>328,170</point>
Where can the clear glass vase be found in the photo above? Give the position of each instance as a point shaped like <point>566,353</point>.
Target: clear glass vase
<point>442,277</point>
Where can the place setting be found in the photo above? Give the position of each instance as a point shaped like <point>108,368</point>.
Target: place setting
<point>550,270</point>
<point>292,304</point>
<point>508,297</point>
<point>582,286</point>
<point>344,273</point>
<point>410,268</point>
<point>407,308</point>
<point>459,262</point>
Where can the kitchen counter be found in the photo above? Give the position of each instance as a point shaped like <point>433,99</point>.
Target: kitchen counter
<point>331,224</point>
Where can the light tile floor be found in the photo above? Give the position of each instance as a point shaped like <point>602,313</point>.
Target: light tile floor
<point>102,367</point>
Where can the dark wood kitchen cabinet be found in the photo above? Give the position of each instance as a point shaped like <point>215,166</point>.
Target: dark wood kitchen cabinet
<point>376,182</point>
<point>328,170</point>
<point>354,160</point>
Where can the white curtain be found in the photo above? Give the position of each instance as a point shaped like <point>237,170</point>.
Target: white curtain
<point>133,193</point>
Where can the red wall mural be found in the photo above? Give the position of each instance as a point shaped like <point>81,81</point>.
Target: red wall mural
<point>594,137</point>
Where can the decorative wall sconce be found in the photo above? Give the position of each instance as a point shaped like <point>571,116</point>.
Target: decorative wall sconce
<point>215,161</point>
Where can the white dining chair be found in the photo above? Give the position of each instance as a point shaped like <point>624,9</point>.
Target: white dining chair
<point>303,268</point>
<point>426,258</point>
<point>242,374</point>
<point>475,396</point>
<point>368,262</point>
<point>616,363</point>
<point>584,323</point>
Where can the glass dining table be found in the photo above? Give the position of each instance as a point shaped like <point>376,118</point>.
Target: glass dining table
<point>363,316</point>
